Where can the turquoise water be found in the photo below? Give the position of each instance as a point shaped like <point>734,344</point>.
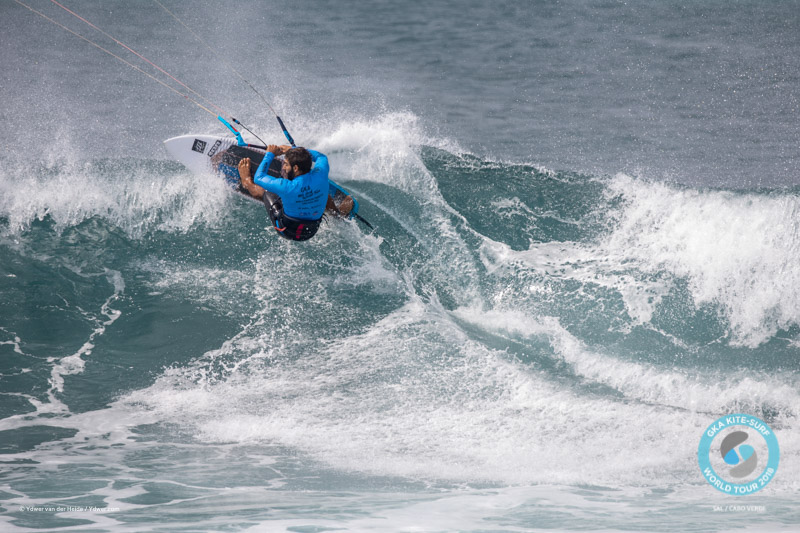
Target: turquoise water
<point>524,342</point>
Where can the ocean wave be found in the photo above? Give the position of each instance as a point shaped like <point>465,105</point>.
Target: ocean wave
<point>737,250</point>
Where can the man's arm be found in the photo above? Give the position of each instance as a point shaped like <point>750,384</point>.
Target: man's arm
<point>320,162</point>
<point>247,181</point>
<point>262,178</point>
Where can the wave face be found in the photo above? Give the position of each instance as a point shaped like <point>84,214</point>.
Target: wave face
<point>513,345</point>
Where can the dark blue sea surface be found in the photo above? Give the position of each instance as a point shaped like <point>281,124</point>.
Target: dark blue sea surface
<point>585,252</point>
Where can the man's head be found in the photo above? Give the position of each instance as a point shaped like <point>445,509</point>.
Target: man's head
<point>296,162</point>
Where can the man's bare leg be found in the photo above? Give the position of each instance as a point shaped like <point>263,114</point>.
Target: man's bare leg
<point>330,207</point>
<point>344,208</point>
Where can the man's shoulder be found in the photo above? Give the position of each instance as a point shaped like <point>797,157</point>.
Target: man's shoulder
<point>317,174</point>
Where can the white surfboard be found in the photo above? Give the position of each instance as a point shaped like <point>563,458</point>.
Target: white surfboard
<point>197,151</point>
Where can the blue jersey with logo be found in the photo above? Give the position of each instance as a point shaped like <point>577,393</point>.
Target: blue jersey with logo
<point>305,196</point>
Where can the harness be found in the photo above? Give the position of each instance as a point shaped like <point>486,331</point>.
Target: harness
<point>294,229</point>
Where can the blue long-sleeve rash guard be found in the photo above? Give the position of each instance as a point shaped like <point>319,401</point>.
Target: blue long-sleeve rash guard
<point>305,196</point>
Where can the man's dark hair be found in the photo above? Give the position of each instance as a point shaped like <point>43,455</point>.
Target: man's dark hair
<point>301,157</point>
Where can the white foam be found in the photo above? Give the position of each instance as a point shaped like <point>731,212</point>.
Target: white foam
<point>384,149</point>
<point>75,364</point>
<point>582,262</point>
<point>15,342</point>
<point>414,397</point>
<point>715,392</point>
<point>739,251</point>
<point>130,196</point>
<point>212,287</point>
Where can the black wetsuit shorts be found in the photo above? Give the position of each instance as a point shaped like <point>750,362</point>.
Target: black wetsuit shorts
<point>294,229</point>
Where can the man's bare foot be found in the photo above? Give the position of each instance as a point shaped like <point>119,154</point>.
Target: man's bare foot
<point>244,169</point>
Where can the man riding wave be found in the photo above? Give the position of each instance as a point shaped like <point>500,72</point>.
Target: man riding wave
<point>298,199</point>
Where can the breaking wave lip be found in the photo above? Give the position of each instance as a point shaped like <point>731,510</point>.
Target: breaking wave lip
<point>738,250</point>
<point>137,196</point>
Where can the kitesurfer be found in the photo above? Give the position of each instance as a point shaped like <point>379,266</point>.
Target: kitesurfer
<point>297,200</point>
